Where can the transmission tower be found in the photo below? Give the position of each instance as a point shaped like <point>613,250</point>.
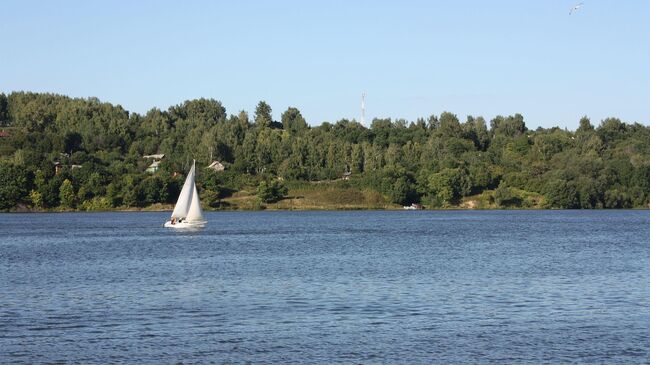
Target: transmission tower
<point>363,109</point>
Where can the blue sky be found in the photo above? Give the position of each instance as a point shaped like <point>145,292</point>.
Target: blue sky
<point>412,58</point>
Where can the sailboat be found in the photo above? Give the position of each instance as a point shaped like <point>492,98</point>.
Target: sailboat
<point>187,212</point>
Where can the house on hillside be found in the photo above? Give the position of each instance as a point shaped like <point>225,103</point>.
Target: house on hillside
<point>58,166</point>
<point>155,165</point>
<point>216,166</point>
<point>4,134</point>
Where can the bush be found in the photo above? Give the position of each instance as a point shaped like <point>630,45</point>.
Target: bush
<point>36,199</point>
<point>615,198</point>
<point>271,191</point>
<point>97,204</point>
<point>210,198</point>
<point>13,185</point>
<point>502,195</point>
<point>561,194</point>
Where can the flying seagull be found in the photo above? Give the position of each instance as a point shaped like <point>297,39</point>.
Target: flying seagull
<point>575,8</point>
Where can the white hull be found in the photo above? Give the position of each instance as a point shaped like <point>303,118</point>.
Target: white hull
<point>186,225</point>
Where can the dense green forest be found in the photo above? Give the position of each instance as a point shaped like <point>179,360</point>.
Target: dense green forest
<point>437,161</point>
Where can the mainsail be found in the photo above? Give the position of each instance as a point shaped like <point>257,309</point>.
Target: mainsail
<point>188,205</point>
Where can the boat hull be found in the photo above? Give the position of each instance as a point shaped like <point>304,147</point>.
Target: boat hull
<point>184,225</point>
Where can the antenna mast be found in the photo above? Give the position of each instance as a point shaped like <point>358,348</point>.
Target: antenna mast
<point>363,108</point>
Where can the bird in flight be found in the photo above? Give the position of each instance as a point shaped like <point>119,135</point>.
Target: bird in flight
<point>575,8</point>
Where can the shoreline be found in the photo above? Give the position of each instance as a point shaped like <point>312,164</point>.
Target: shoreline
<point>272,209</point>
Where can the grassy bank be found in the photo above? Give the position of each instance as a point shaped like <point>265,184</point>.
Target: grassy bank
<point>339,195</point>
<point>313,197</point>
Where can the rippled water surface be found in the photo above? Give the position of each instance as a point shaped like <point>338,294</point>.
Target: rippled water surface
<point>327,287</point>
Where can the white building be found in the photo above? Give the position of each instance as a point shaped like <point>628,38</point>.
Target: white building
<point>216,166</point>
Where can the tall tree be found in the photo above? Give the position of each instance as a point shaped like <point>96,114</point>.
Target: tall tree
<point>293,121</point>
<point>13,185</point>
<point>205,111</point>
<point>4,110</point>
<point>450,126</point>
<point>66,194</point>
<point>585,125</point>
<point>510,126</point>
<point>263,116</point>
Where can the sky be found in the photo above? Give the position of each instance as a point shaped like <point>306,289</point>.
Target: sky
<point>411,58</point>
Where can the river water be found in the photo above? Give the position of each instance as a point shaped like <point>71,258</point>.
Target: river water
<point>412,287</point>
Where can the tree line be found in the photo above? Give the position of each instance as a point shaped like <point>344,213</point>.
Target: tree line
<point>436,161</point>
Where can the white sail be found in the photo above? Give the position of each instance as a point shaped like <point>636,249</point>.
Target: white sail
<point>185,197</point>
<point>195,214</point>
<point>187,212</point>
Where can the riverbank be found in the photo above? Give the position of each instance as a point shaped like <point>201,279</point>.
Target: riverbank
<point>331,197</point>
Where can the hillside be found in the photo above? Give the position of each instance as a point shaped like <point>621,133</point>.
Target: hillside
<point>61,153</point>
